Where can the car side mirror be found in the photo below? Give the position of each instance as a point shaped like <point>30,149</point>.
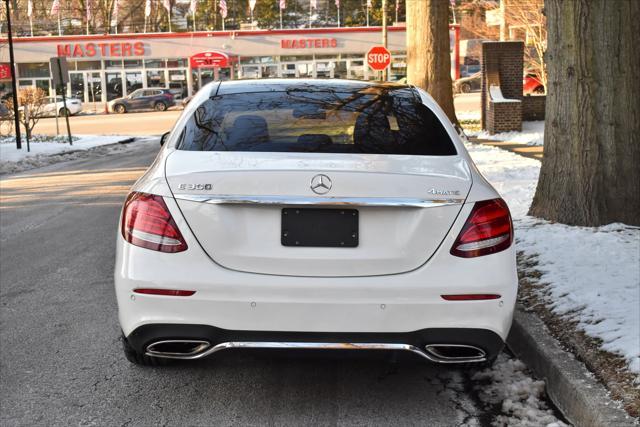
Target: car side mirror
<point>164,138</point>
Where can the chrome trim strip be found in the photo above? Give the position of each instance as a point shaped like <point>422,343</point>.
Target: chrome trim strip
<point>318,201</point>
<point>318,346</point>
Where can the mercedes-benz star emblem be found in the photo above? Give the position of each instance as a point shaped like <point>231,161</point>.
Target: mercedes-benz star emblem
<point>321,184</point>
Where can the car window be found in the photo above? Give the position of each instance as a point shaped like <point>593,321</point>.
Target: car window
<point>374,120</point>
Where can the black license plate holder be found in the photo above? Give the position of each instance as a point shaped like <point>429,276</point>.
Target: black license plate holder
<point>315,227</point>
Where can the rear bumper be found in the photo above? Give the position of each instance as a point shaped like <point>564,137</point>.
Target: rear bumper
<point>239,301</point>
<point>488,342</point>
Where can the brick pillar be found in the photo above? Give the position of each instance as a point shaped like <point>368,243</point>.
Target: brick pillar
<point>502,65</point>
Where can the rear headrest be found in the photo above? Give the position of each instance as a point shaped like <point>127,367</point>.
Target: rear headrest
<point>248,129</point>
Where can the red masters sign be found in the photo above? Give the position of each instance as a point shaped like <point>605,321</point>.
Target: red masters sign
<point>378,58</point>
<point>209,60</point>
<point>5,72</point>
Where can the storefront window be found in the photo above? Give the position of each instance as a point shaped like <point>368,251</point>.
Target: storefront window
<point>356,70</point>
<point>24,83</point>
<point>134,81</point>
<point>257,59</point>
<point>269,71</point>
<point>251,71</point>
<point>288,70</point>
<point>44,85</point>
<point>177,63</point>
<point>296,58</point>
<point>340,70</point>
<point>398,69</point>
<point>156,78</point>
<point>113,64</point>
<point>178,83</point>
<point>88,65</point>
<point>34,69</point>
<point>323,69</point>
<point>132,63</point>
<point>154,63</point>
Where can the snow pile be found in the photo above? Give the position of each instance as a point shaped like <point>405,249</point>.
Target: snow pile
<point>532,134</point>
<point>519,397</point>
<point>592,273</point>
<point>64,139</point>
<point>13,160</point>
<point>496,95</point>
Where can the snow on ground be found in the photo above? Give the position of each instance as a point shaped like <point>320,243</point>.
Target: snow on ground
<point>521,398</point>
<point>503,395</point>
<point>532,134</point>
<point>470,115</point>
<point>49,150</point>
<point>593,273</point>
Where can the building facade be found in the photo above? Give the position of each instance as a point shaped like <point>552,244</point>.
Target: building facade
<point>105,67</point>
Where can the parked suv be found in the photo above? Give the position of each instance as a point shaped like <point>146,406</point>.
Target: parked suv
<point>158,99</point>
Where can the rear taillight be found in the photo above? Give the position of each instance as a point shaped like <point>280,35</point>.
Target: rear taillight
<point>488,230</point>
<point>147,222</point>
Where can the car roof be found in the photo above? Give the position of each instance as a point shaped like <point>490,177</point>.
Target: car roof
<point>283,85</point>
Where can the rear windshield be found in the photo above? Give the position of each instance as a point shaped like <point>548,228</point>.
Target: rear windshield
<point>372,120</point>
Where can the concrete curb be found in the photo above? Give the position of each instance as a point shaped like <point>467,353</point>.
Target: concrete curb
<point>571,387</point>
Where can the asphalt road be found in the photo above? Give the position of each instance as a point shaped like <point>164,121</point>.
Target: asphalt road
<point>136,124</point>
<point>61,361</point>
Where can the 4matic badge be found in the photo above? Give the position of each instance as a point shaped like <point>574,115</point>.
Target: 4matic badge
<point>436,192</point>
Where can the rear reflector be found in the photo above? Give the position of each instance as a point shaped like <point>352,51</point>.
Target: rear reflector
<point>470,297</point>
<point>488,230</point>
<point>167,292</point>
<point>147,222</point>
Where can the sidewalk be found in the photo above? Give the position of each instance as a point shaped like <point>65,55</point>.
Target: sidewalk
<point>530,151</point>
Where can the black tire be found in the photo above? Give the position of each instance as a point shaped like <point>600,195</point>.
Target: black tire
<point>61,112</point>
<point>465,88</point>
<point>539,90</point>
<point>139,358</point>
<point>119,108</point>
<point>160,106</point>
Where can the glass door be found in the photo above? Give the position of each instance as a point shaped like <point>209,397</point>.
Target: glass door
<point>114,85</point>
<point>77,86</point>
<point>94,87</point>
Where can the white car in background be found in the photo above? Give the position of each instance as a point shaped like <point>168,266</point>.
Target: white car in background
<point>54,103</point>
<point>314,214</point>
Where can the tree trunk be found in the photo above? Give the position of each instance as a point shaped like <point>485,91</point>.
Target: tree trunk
<point>428,56</point>
<point>591,168</point>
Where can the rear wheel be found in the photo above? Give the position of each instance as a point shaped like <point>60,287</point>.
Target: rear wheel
<point>465,88</point>
<point>141,359</point>
<point>160,106</point>
<point>120,109</point>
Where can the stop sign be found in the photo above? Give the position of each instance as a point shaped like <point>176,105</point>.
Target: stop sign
<point>378,58</point>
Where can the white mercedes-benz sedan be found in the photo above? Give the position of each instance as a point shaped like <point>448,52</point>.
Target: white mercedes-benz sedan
<point>314,214</point>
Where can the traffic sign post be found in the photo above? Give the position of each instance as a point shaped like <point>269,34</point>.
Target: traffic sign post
<point>379,58</point>
<point>60,77</point>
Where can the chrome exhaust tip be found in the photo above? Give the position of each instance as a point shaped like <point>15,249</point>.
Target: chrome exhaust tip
<point>456,353</point>
<point>178,349</point>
